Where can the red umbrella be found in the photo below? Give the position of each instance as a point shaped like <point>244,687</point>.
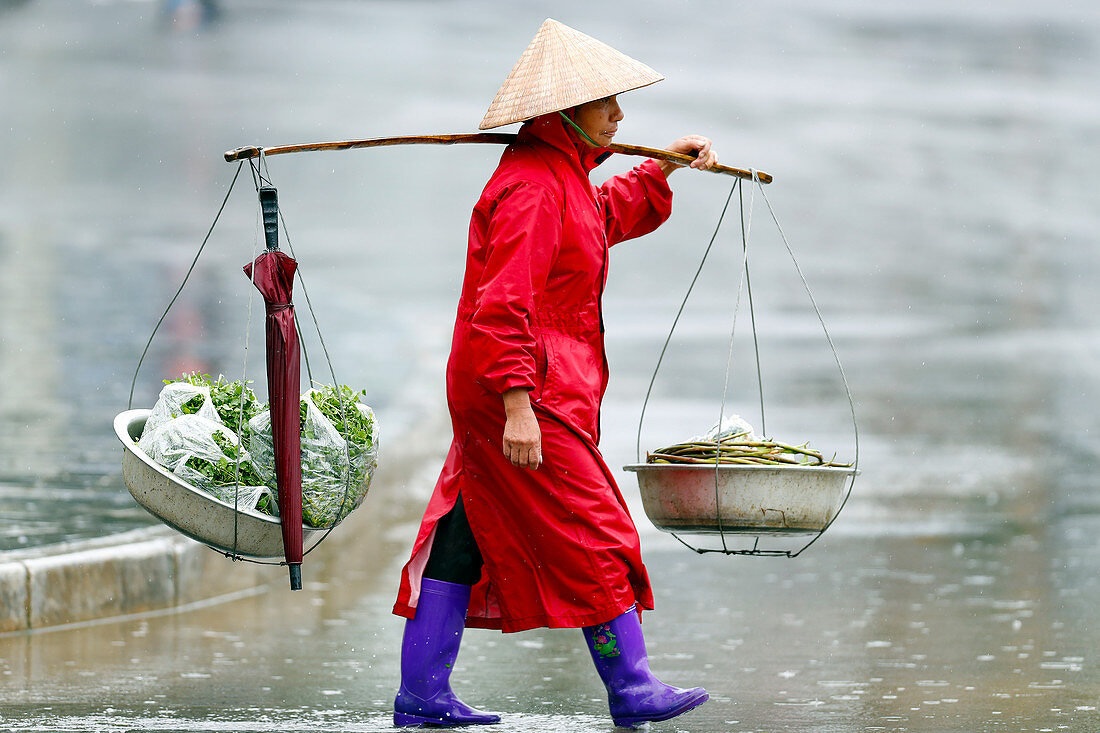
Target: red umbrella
<point>273,274</point>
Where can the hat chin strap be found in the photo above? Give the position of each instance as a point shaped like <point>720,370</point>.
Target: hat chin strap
<point>580,132</point>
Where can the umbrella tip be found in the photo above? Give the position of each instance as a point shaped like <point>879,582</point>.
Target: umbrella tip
<point>295,576</point>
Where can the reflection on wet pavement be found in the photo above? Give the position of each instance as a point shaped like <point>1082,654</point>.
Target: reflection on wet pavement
<point>906,633</point>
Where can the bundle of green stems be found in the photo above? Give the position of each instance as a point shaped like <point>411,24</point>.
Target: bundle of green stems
<point>737,449</point>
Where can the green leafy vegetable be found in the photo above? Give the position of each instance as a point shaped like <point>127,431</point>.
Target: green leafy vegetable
<point>338,405</point>
<point>234,401</point>
<point>224,472</point>
<point>339,445</point>
<point>335,477</point>
<point>339,452</point>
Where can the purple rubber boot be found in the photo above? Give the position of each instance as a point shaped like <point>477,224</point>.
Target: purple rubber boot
<point>428,652</point>
<point>633,693</point>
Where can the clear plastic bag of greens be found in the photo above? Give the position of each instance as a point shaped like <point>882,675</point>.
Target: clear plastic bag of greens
<point>180,398</point>
<point>233,400</point>
<point>207,454</point>
<point>339,452</point>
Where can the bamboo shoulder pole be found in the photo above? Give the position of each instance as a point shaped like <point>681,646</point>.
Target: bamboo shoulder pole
<point>682,159</point>
<point>497,138</point>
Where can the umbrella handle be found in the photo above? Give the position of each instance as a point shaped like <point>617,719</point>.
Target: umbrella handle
<point>269,206</point>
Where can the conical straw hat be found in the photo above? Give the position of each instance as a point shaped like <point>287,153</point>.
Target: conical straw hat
<point>562,68</point>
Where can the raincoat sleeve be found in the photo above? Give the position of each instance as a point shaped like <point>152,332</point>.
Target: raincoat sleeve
<point>523,238</point>
<point>635,203</point>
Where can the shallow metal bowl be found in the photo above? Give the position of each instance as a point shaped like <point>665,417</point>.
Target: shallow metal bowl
<point>195,513</point>
<point>738,499</point>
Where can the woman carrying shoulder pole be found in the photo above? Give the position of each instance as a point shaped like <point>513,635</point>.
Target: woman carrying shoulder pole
<point>527,527</point>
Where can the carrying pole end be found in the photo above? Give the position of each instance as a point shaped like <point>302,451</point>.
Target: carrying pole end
<point>243,153</point>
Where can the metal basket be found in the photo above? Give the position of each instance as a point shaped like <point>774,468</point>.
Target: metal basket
<point>732,500</point>
<point>195,513</point>
<point>739,499</point>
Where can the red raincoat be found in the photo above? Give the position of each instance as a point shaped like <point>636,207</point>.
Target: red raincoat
<point>559,546</point>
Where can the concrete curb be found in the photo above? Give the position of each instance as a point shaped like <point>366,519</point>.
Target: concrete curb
<point>139,571</point>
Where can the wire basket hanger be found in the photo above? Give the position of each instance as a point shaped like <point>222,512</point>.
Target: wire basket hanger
<point>669,490</point>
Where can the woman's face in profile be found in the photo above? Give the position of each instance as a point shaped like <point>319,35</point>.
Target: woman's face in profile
<point>600,119</point>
